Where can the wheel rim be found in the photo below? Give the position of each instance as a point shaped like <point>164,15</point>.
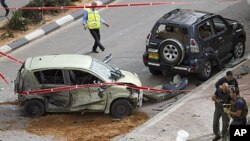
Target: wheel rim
<point>208,69</point>
<point>121,109</point>
<point>170,52</point>
<point>35,110</point>
<point>238,50</point>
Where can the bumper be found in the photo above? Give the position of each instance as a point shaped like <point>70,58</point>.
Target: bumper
<point>137,98</point>
<point>194,67</point>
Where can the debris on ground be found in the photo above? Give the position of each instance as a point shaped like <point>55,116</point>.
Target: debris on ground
<point>243,69</point>
<point>178,83</point>
<point>90,126</point>
<point>233,62</point>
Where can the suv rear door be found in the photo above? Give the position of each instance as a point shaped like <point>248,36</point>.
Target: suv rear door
<point>223,36</point>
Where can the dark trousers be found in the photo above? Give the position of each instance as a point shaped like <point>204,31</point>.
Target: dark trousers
<point>96,35</point>
<point>5,6</point>
<point>239,122</point>
<point>216,122</point>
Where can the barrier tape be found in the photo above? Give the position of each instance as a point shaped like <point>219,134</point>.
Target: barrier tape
<point>11,57</point>
<point>4,79</point>
<point>109,6</point>
<point>84,85</point>
<point>101,6</point>
<point>57,89</point>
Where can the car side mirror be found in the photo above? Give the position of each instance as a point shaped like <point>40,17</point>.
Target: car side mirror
<point>100,92</point>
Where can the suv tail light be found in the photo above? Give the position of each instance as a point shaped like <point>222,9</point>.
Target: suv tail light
<point>194,48</point>
<point>148,37</point>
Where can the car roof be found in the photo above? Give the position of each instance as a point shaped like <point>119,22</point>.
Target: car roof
<point>59,61</point>
<point>184,16</point>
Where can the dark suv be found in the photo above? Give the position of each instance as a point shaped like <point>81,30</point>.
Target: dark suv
<point>193,41</point>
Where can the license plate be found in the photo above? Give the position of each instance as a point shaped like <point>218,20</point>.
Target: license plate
<point>153,55</point>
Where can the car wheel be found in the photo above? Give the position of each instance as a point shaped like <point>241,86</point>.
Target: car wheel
<point>239,49</point>
<point>34,108</point>
<point>154,71</point>
<point>171,51</point>
<point>205,73</point>
<point>120,108</point>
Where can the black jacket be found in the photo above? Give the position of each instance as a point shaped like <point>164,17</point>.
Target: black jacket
<point>232,82</point>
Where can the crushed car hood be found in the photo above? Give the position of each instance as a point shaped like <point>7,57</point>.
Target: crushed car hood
<point>130,78</point>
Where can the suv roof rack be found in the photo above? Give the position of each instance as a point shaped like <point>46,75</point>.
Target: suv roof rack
<point>196,15</point>
<point>170,13</point>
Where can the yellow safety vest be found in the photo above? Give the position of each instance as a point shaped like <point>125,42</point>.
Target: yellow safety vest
<point>94,19</point>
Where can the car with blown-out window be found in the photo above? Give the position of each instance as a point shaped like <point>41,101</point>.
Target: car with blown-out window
<point>192,41</point>
<point>60,71</point>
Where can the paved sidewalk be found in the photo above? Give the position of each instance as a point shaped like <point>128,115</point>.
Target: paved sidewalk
<point>194,114</point>
<point>44,30</point>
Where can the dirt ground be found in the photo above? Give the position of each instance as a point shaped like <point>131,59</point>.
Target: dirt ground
<point>89,127</point>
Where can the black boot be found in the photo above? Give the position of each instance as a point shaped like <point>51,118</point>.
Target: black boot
<point>7,12</point>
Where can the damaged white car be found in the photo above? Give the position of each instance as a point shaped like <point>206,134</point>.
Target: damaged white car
<point>52,71</point>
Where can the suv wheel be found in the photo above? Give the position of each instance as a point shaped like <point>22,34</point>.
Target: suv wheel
<point>120,108</point>
<point>154,71</point>
<point>239,49</point>
<point>34,108</point>
<point>171,51</point>
<point>206,71</point>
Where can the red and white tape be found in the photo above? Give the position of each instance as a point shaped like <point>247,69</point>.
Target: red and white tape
<point>101,6</point>
<point>4,79</point>
<point>111,5</point>
<point>12,58</point>
<point>57,89</point>
<point>84,85</point>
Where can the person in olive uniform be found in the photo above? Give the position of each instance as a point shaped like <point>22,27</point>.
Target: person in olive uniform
<point>221,97</point>
<point>238,110</point>
<point>229,79</point>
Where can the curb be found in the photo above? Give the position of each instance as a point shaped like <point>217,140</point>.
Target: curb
<point>46,29</point>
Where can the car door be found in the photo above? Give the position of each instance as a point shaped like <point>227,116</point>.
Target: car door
<point>90,97</point>
<point>205,35</point>
<point>223,37</point>
<point>53,78</point>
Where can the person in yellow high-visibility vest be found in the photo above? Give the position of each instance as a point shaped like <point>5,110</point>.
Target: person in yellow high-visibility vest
<point>92,21</point>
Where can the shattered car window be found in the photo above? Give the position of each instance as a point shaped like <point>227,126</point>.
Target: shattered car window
<point>53,76</point>
<point>79,77</point>
<point>101,69</point>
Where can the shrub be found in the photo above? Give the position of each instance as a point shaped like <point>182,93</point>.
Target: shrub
<point>33,16</point>
<point>17,22</point>
<point>52,3</point>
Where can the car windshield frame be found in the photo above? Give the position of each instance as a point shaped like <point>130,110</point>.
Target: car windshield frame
<point>102,69</point>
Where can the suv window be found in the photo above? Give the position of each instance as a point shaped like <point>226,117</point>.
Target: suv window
<point>54,76</point>
<point>79,77</point>
<point>219,25</point>
<point>205,30</point>
<point>171,31</point>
